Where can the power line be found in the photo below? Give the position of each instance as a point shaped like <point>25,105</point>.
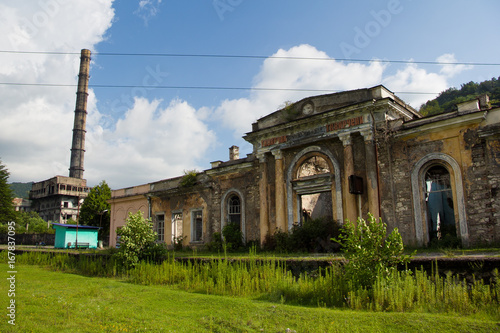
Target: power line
<point>195,87</point>
<point>236,56</point>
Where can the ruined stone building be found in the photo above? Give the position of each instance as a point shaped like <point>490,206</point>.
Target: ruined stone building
<point>58,199</point>
<point>340,156</point>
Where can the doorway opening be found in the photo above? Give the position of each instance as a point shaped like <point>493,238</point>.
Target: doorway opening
<point>441,224</point>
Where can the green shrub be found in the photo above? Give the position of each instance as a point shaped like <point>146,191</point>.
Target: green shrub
<point>233,237</point>
<point>312,236</point>
<point>138,241</point>
<point>216,245</point>
<point>189,178</point>
<point>30,223</point>
<point>370,252</point>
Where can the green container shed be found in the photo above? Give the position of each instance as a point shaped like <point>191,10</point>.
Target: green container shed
<point>66,236</point>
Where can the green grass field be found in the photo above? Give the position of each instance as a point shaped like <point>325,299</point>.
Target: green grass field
<point>49,301</point>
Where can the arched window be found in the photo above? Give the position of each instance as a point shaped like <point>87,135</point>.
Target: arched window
<point>315,165</point>
<point>439,202</point>
<point>234,210</point>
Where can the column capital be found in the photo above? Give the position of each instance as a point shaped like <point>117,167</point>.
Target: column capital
<point>262,157</point>
<point>278,154</point>
<point>367,134</point>
<point>346,139</point>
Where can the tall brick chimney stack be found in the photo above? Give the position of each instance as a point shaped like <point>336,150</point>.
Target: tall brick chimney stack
<point>78,144</point>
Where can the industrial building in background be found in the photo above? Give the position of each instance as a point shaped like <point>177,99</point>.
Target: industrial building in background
<point>58,199</point>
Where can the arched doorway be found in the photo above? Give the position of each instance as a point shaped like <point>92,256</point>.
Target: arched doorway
<point>313,186</point>
<point>439,204</point>
<point>438,199</point>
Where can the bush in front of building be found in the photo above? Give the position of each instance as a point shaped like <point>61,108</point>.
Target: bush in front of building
<point>138,242</point>
<point>233,237</point>
<point>371,253</point>
<point>216,244</point>
<point>313,236</point>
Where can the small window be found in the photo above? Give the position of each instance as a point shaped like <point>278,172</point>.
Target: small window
<point>196,225</point>
<point>160,227</point>
<point>66,204</point>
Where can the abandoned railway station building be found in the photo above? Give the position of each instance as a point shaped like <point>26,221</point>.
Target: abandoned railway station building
<point>340,156</point>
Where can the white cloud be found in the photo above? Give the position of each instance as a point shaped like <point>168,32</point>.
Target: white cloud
<point>295,74</point>
<point>238,114</point>
<point>148,9</point>
<point>35,131</point>
<point>150,143</point>
<point>418,80</point>
<point>449,69</point>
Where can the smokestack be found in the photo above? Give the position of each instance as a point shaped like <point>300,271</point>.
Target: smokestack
<point>78,144</point>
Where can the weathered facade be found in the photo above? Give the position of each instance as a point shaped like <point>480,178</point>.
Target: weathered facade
<point>58,199</point>
<point>123,202</point>
<point>341,156</point>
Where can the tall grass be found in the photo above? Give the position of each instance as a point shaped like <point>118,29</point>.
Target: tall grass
<point>90,265</point>
<point>402,291</point>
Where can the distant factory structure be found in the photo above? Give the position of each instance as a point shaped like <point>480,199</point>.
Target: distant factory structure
<point>58,199</point>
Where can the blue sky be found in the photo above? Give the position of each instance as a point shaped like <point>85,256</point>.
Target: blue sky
<point>143,134</point>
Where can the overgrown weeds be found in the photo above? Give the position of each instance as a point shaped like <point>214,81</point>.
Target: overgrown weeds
<point>269,279</point>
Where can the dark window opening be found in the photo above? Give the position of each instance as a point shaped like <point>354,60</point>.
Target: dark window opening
<point>197,224</point>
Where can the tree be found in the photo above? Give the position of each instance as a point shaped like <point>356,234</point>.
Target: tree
<point>138,241</point>
<point>34,223</point>
<point>7,212</point>
<point>448,99</point>
<point>95,210</point>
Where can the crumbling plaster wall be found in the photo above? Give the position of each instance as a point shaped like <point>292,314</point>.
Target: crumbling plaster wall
<point>244,183</point>
<point>475,157</point>
<point>482,183</point>
<point>185,203</point>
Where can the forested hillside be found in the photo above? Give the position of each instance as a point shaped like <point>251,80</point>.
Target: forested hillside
<point>21,190</point>
<point>448,99</point>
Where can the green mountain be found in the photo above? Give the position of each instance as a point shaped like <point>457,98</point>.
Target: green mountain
<point>21,190</point>
<point>448,99</point>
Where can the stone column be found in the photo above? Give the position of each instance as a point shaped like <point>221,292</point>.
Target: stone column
<point>350,199</point>
<point>279,191</point>
<point>371,173</point>
<point>264,212</point>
